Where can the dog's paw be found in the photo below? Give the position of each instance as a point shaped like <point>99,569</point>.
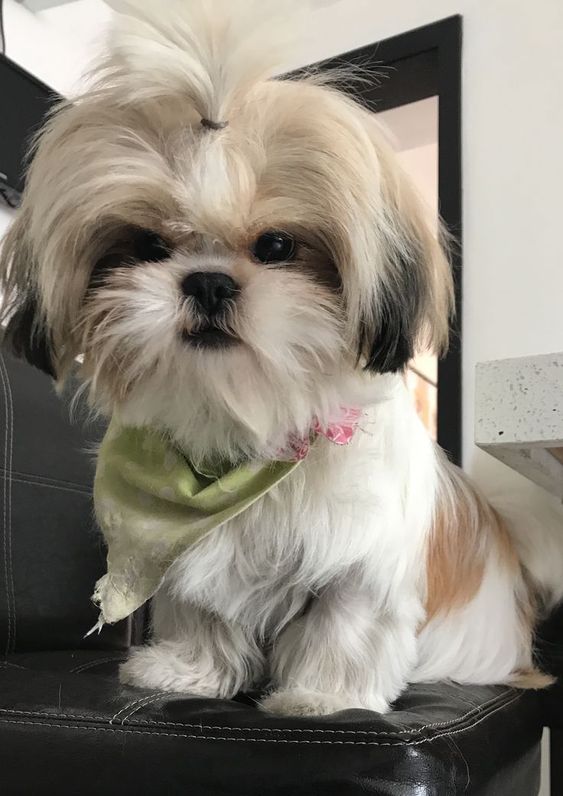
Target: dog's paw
<point>303,702</point>
<point>161,667</point>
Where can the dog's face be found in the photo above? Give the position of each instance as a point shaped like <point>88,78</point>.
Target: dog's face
<point>231,278</point>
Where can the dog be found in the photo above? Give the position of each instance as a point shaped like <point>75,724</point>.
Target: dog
<point>235,259</point>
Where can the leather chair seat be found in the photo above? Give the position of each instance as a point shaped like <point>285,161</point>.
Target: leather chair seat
<point>67,726</point>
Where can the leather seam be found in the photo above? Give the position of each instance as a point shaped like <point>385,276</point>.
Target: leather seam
<point>129,731</point>
<point>10,482</point>
<point>4,519</point>
<point>29,482</point>
<point>142,704</point>
<point>500,699</point>
<point>434,725</point>
<point>44,480</point>
<point>7,508</point>
<point>138,702</point>
<point>92,664</point>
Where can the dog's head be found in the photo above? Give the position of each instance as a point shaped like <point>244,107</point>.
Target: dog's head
<point>219,246</point>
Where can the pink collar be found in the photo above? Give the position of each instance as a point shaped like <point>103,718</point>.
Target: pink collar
<point>339,431</point>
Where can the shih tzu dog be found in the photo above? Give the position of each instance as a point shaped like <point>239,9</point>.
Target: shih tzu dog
<point>238,262</point>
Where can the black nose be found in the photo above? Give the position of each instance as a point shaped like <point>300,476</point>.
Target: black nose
<point>211,290</point>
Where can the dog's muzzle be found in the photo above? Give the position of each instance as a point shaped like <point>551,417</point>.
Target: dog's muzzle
<point>212,294</point>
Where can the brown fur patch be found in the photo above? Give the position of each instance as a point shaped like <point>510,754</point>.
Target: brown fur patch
<point>531,679</point>
<point>466,530</point>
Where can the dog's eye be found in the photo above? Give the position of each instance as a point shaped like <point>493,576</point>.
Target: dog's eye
<point>274,247</point>
<point>149,247</point>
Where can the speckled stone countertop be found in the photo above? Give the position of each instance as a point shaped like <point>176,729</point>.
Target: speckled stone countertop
<point>519,416</point>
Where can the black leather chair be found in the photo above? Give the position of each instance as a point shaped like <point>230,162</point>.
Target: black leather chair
<point>68,727</point>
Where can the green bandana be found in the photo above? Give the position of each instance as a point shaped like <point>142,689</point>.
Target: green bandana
<point>152,505</point>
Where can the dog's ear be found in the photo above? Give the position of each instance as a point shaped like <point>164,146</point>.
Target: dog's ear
<point>25,334</point>
<point>412,298</point>
<point>27,337</point>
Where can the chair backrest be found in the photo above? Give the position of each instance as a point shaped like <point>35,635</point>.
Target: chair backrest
<point>50,551</point>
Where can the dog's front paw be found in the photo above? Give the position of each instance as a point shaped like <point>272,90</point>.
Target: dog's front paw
<point>161,666</point>
<point>305,702</point>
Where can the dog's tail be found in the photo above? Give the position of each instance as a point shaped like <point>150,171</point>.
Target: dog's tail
<point>535,521</point>
<point>210,51</point>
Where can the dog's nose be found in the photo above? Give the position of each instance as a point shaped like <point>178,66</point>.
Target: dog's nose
<point>210,289</point>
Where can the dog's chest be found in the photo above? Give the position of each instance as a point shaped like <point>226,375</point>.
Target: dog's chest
<point>257,569</point>
<point>262,567</point>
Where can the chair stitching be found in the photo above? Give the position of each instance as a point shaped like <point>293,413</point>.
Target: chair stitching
<point>434,725</point>
<point>10,480</point>
<point>132,704</point>
<point>51,486</point>
<point>92,664</point>
<point>477,709</point>
<point>48,480</point>
<point>323,742</point>
<point>145,704</point>
<point>272,730</point>
<point>4,514</point>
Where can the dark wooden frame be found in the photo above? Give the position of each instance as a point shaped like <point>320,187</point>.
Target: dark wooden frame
<point>412,66</point>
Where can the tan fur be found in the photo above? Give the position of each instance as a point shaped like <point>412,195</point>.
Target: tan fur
<point>465,532</point>
<point>532,679</point>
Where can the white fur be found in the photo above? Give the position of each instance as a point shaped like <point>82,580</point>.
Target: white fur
<point>483,642</point>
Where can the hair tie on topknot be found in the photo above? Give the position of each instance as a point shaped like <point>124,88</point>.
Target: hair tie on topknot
<point>213,125</point>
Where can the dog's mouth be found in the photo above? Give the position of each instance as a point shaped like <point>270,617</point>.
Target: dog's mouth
<point>209,337</point>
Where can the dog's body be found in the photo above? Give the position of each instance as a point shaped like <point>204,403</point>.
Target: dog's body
<point>347,581</point>
<point>237,258</point>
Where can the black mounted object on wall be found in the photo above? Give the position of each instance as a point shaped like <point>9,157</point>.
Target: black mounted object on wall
<point>24,103</point>
<point>413,66</point>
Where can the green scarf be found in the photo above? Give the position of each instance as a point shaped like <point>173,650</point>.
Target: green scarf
<point>152,505</point>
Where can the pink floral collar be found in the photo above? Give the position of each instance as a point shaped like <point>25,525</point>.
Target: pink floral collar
<point>339,431</point>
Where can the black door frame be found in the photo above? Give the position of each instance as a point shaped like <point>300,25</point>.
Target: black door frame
<point>412,66</point>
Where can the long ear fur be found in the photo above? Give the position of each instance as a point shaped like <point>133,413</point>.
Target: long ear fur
<point>25,330</point>
<point>413,300</point>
